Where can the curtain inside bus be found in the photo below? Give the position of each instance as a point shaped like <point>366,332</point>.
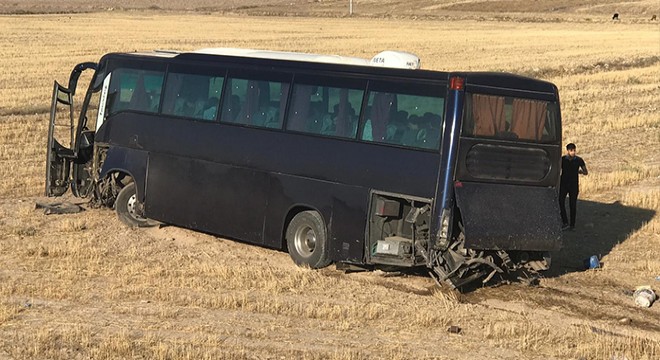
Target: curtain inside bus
<point>301,106</point>
<point>510,118</point>
<point>528,118</point>
<point>341,123</point>
<point>383,106</point>
<point>488,115</point>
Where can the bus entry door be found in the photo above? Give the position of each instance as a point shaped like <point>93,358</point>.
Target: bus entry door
<point>62,149</point>
<point>61,133</point>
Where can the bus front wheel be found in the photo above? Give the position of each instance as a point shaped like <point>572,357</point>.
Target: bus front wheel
<point>129,209</point>
<point>307,240</point>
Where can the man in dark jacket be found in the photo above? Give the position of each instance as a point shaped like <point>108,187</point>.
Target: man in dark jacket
<point>571,166</point>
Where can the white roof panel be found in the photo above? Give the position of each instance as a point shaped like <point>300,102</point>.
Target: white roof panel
<point>158,53</point>
<point>283,55</point>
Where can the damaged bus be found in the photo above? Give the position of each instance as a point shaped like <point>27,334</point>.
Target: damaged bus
<point>353,161</point>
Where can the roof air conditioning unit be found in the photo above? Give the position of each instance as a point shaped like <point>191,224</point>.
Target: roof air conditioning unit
<point>396,59</point>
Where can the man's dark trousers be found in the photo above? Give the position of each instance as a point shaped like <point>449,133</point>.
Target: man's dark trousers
<point>572,202</point>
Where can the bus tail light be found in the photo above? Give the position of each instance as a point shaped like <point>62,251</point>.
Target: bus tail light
<point>443,235</point>
<point>456,83</point>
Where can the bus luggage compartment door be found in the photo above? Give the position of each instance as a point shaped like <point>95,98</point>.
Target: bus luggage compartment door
<point>509,217</point>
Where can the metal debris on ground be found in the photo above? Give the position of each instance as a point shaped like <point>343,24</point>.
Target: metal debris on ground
<point>644,296</point>
<point>59,208</point>
<point>454,329</point>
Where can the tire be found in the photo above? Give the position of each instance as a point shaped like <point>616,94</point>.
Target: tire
<point>307,240</point>
<point>129,209</point>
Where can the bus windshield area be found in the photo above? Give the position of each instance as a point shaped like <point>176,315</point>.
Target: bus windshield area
<point>510,118</point>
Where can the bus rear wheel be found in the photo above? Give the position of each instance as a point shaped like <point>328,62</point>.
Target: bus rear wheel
<point>130,210</point>
<point>307,240</point>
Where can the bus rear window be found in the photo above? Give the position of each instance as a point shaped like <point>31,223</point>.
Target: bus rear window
<point>510,118</point>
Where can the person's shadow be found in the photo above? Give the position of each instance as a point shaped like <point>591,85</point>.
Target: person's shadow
<point>600,227</point>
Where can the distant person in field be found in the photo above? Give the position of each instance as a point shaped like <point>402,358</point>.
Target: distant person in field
<point>571,166</point>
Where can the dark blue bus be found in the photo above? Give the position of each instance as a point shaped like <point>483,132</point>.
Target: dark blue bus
<point>334,159</point>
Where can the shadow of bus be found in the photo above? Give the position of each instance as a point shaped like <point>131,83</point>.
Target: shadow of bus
<point>600,227</point>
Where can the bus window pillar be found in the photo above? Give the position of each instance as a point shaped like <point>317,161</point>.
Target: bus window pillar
<point>444,196</point>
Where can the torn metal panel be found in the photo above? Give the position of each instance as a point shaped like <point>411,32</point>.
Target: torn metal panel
<point>59,208</point>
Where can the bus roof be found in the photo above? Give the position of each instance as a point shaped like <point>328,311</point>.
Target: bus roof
<point>284,55</point>
<point>396,63</point>
<point>387,59</point>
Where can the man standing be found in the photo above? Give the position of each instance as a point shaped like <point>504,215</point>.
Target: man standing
<point>571,166</point>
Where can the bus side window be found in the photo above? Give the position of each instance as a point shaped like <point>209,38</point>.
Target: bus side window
<point>132,89</point>
<point>328,107</point>
<point>407,117</point>
<point>255,102</point>
<point>193,96</point>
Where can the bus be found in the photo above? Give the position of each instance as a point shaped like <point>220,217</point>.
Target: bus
<point>364,163</point>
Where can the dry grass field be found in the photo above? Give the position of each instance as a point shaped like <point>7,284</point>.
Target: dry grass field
<point>83,286</point>
<point>517,10</point>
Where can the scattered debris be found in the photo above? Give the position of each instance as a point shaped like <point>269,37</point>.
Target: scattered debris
<point>593,262</point>
<point>531,281</point>
<point>625,321</point>
<point>383,273</point>
<point>598,331</point>
<point>454,329</point>
<point>59,208</point>
<point>350,268</point>
<point>644,296</point>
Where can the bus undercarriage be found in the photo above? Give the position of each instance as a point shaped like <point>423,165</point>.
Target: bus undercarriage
<point>399,235</point>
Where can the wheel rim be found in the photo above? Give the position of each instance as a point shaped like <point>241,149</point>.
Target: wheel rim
<point>305,241</point>
<point>132,207</point>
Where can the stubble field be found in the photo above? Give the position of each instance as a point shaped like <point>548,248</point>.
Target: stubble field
<point>83,286</point>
